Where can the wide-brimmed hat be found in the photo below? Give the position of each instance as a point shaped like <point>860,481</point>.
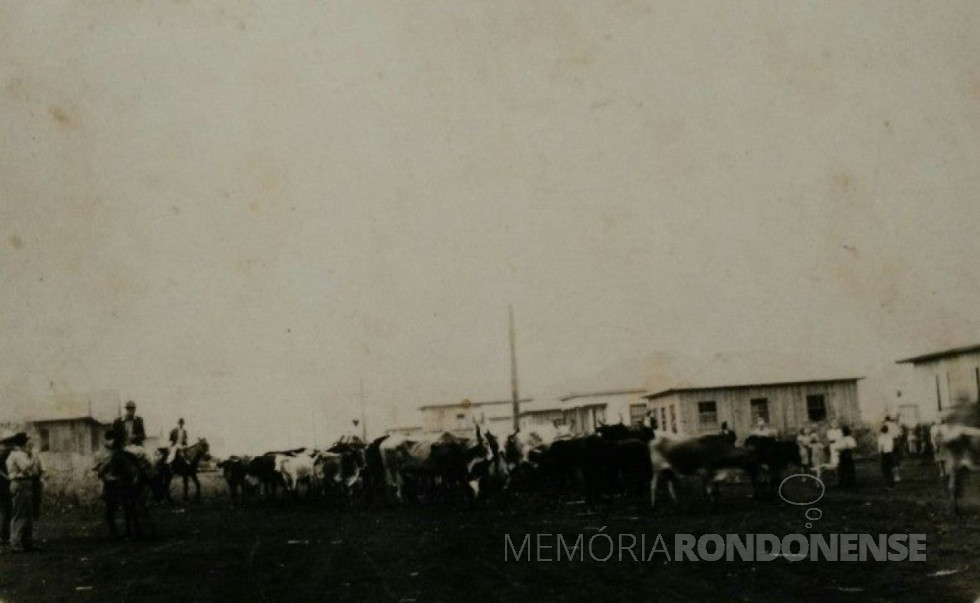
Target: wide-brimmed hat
<point>7,435</point>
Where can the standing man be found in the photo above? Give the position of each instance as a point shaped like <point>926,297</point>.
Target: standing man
<point>178,441</point>
<point>894,431</point>
<point>728,433</point>
<point>834,433</point>
<point>805,442</point>
<point>21,470</point>
<point>886,448</point>
<point>36,482</point>
<point>5,503</point>
<point>843,449</point>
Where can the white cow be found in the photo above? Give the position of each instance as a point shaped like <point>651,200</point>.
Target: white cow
<point>296,469</point>
<point>961,443</point>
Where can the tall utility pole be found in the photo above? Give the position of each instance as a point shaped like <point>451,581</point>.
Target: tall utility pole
<point>313,422</point>
<point>363,422</point>
<point>515,400</point>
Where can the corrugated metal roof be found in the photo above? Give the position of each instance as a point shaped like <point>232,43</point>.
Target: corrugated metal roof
<point>932,356</point>
<point>602,394</point>
<point>667,392</point>
<point>471,404</point>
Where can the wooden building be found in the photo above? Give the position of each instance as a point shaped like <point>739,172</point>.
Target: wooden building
<point>496,415</point>
<point>786,406</point>
<point>582,413</point>
<point>71,435</point>
<point>942,379</point>
<point>67,430</point>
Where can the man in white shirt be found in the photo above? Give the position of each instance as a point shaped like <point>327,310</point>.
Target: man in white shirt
<point>895,432</point>
<point>833,435</point>
<point>178,441</point>
<point>21,469</point>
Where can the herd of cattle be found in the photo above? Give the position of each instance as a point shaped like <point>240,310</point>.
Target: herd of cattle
<point>615,460</point>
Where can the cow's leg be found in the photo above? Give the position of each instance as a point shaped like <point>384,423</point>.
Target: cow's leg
<point>653,489</point>
<point>953,488</point>
<point>670,488</point>
<point>474,485</point>
<point>711,489</point>
<point>399,484</point>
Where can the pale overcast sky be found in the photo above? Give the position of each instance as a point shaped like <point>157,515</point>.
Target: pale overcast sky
<point>234,211</point>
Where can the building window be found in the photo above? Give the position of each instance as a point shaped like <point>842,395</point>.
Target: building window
<point>44,439</point>
<point>673,419</point>
<point>816,407</point>
<point>461,417</point>
<point>760,409</point>
<point>663,418</point>
<point>707,415</point>
<point>638,413</point>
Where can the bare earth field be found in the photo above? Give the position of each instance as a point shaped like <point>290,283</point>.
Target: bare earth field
<point>214,552</point>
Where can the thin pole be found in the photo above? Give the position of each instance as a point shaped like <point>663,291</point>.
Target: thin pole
<point>515,400</point>
<point>949,390</point>
<point>363,422</point>
<point>313,420</point>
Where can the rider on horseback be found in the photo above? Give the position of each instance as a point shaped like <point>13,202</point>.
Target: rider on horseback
<point>178,441</point>
<point>128,433</point>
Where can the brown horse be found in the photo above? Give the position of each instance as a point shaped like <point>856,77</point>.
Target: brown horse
<point>185,465</point>
<point>127,482</point>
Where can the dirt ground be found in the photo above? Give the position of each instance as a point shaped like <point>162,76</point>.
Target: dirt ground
<point>215,552</point>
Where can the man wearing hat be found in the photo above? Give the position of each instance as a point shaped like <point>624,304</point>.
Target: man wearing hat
<point>178,441</point>
<point>130,427</point>
<point>21,469</point>
<point>128,433</point>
